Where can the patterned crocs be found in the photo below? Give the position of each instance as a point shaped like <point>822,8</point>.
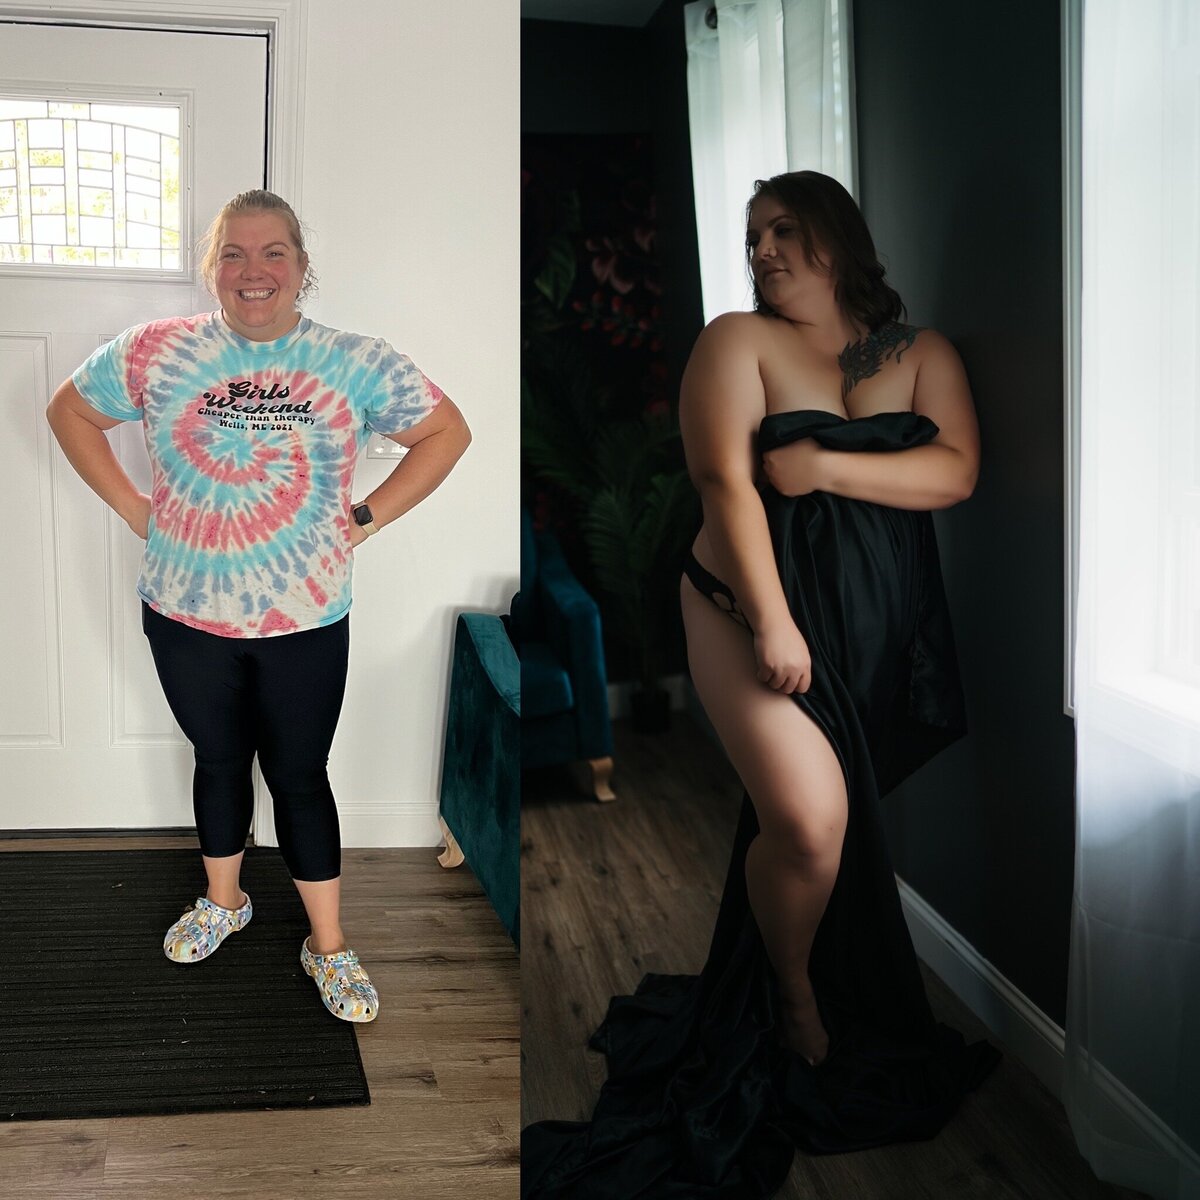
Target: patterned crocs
<point>202,929</point>
<point>343,984</point>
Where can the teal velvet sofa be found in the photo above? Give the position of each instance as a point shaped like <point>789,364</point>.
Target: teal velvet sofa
<point>481,765</point>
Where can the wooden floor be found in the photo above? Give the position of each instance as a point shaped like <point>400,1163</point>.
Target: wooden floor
<point>610,891</point>
<point>442,1062</point>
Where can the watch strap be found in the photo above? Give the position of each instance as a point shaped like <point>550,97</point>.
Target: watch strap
<point>364,519</point>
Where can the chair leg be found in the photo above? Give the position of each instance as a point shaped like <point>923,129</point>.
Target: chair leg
<point>452,856</point>
<point>593,775</point>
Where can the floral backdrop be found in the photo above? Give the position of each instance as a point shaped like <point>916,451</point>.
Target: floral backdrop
<point>601,457</point>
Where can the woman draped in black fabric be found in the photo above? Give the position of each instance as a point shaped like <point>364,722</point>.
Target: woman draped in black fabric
<point>820,432</point>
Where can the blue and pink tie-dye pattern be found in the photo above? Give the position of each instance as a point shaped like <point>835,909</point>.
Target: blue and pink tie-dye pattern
<point>252,449</point>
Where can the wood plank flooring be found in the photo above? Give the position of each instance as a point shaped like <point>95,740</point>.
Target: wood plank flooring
<point>611,891</point>
<point>442,1061</point>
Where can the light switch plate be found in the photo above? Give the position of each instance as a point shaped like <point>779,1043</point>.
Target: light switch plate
<point>381,447</point>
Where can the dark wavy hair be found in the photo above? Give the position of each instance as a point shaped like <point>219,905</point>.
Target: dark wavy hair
<point>827,218</point>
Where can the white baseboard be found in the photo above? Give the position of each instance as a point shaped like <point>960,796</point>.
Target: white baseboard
<point>1137,1149</point>
<point>405,826</point>
<point>1026,1031</point>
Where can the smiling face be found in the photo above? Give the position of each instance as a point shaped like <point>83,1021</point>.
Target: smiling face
<point>784,277</point>
<point>259,274</point>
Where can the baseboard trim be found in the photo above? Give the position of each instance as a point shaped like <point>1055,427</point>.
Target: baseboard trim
<point>1138,1149</point>
<point>1026,1031</point>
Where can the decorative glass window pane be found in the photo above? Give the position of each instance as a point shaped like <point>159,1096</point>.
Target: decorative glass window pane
<point>144,187</point>
<point>97,202</point>
<point>96,231</point>
<point>95,137</point>
<point>89,184</point>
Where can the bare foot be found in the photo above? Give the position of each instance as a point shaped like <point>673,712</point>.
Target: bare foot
<point>803,1031</point>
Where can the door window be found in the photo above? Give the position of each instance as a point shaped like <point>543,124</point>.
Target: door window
<point>90,184</point>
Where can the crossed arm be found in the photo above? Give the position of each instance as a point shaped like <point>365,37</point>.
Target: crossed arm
<point>926,477</point>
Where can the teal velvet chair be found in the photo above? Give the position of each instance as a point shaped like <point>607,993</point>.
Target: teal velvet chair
<point>481,767</point>
<point>564,686</point>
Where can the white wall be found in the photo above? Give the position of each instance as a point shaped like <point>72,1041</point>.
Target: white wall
<point>409,185</point>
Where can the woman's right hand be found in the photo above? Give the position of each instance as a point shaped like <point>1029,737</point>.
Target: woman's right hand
<point>138,516</point>
<point>784,661</point>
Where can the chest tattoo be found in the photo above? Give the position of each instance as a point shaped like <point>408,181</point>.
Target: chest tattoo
<point>862,359</point>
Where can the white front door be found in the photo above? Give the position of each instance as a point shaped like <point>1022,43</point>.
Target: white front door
<point>86,738</point>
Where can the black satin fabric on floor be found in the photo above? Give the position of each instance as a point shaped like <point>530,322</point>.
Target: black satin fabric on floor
<point>702,1101</point>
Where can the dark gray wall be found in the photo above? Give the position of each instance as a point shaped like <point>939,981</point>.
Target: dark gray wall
<point>959,153</point>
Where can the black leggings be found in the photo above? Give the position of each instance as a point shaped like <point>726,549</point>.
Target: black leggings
<point>277,696</point>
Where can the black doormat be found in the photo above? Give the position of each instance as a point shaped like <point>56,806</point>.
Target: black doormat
<point>96,1021</point>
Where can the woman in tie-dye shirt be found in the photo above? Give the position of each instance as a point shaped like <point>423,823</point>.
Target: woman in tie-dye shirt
<point>254,417</point>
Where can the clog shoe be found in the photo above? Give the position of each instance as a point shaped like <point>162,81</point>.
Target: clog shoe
<point>203,928</point>
<point>344,986</point>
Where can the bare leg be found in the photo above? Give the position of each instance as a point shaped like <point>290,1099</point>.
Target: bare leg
<point>799,793</point>
<point>322,901</point>
<point>223,886</point>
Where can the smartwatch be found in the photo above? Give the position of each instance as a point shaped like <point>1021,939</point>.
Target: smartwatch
<point>364,520</point>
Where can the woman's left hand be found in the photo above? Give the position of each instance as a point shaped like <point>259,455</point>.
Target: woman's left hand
<point>357,534</point>
<point>796,469</point>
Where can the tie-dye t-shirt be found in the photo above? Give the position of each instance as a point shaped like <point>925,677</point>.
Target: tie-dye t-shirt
<point>252,449</point>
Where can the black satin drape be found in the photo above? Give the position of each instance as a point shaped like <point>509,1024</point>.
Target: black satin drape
<point>701,1100</point>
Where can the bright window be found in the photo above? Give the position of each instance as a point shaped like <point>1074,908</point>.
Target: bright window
<point>89,184</point>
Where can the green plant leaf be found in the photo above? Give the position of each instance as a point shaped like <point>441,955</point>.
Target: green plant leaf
<point>568,211</point>
<point>662,525</point>
<point>552,448</point>
<point>554,280</point>
<point>607,525</point>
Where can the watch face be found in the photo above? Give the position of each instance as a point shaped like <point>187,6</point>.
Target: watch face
<point>362,515</point>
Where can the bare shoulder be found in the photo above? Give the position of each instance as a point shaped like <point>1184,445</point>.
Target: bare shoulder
<point>943,394</point>
<point>733,331</point>
<point>721,398</point>
<point>939,366</point>
<point>728,350</point>
<point>931,346</point>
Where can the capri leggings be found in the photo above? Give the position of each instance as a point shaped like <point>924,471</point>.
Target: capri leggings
<point>278,697</point>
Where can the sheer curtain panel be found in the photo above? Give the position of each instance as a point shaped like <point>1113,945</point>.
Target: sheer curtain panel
<point>1132,1070</point>
<point>770,89</point>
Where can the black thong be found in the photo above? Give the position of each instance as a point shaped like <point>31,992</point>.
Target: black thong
<point>707,584</point>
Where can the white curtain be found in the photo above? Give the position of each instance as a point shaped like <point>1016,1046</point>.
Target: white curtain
<point>1132,1070</point>
<point>770,89</point>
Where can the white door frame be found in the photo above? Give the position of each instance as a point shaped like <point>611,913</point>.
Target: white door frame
<point>285,23</point>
